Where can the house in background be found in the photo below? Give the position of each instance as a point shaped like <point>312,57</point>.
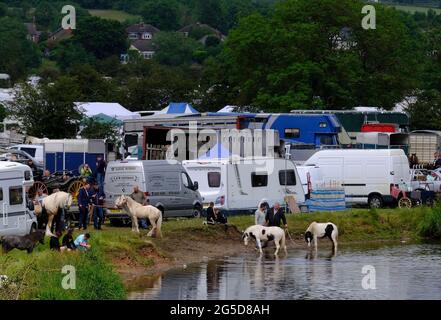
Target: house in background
<point>141,39</point>
<point>201,32</point>
<point>32,33</point>
<point>58,35</point>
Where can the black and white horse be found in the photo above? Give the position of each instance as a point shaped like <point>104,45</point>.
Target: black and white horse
<point>321,230</point>
<point>261,233</point>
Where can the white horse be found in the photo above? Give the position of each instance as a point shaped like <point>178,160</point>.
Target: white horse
<point>261,233</point>
<point>138,211</point>
<point>321,230</point>
<point>54,202</point>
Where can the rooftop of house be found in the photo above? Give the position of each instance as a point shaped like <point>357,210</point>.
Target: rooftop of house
<point>141,27</point>
<point>143,45</point>
<point>189,28</point>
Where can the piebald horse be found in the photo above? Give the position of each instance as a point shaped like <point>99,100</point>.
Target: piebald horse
<point>321,230</point>
<point>52,204</point>
<point>138,211</point>
<point>261,233</point>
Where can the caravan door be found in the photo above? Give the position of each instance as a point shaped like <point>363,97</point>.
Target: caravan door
<point>10,216</point>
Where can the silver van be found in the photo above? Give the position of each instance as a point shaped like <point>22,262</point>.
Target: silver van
<point>166,183</point>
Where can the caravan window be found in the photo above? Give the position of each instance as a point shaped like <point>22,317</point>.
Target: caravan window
<point>290,177</point>
<point>1,194</point>
<point>259,179</point>
<point>15,195</point>
<point>292,133</point>
<point>214,179</point>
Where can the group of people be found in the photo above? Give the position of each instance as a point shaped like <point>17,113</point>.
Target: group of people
<point>68,243</point>
<point>91,200</point>
<point>270,217</point>
<point>214,215</point>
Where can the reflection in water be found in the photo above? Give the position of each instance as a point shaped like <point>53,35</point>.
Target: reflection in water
<point>402,272</point>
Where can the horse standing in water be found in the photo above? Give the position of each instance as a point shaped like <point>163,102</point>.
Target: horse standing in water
<point>261,233</point>
<point>137,211</point>
<point>52,204</point>
<point>322,230</point>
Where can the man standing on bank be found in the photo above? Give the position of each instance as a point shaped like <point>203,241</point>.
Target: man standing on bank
<point>274,216</point>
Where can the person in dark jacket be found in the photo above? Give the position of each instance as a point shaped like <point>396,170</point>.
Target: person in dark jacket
<point>100,170</point>
<point>210,213</point>
<point>274,216</point>
<point>98,211</point>
<point>68,241</point>
<point>54,242</point>
<point>84,198</point>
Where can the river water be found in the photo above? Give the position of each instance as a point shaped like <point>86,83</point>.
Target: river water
<point>396,271</point>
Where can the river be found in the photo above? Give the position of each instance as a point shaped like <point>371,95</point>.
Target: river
<point>406,271</point>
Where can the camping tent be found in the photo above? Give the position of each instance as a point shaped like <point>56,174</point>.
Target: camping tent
<point>112,110</point>
<point>177,108</point>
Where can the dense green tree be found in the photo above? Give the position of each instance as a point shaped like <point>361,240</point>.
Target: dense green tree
<point>314,53</point>
<point>18,55</point>
<point>174,48</point>
<point>3,9</point>
<point>46,15</point>
<point>425,113</point>
<point>96,129</point>
<point>48,110</point>
<point>163,14</point>
<point>69,54</point>
<point>210,12</point>
<point>100,37</point>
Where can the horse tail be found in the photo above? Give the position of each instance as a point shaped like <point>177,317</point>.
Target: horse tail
<point>158,225</point>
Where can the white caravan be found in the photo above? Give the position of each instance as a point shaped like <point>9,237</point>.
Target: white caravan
<point>366,175</point>
<point>239,185</point>
<point>16,218</point>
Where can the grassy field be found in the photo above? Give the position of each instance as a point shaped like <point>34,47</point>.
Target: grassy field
<point>413,9</point>
<point>118,251</point>
<point>114,15</point>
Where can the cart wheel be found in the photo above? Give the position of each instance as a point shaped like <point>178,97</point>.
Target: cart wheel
<point>74,188</point>
<point>405,203</point>
<point>37,186</point>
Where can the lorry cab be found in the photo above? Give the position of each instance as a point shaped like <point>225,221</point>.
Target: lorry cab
<point>165,182</point>
<point>17,217</point>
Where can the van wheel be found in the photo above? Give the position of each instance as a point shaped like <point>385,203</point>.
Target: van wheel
<point>375,201</point>
<point>197,211</point>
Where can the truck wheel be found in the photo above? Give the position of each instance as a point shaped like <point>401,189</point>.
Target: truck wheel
<point>375,201</point>
<point>197,211</point>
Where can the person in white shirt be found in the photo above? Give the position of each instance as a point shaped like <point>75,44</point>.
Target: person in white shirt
<point>259,215</point>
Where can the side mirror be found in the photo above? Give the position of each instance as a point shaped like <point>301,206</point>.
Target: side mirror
<point>195,186</point>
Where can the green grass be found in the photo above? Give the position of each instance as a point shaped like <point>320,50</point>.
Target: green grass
<point>120,16</point>
<point>430,227</point>
<point>413,9</point>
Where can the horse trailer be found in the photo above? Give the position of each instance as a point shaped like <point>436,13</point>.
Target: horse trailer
<point>165,182</point>
<point>366,175</point>
<point>17,215</point>
<point>238,185</point>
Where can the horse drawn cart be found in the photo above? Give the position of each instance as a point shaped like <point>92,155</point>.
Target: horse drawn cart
<point>412,198</point>
<point>66,181</point>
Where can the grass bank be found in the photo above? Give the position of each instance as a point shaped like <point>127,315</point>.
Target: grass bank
<point>119,256</point>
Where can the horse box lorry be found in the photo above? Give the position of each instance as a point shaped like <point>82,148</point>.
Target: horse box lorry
<point>366,175</point>
<point>166,183</point>
<point>16,217</point>
<point>237,186</point>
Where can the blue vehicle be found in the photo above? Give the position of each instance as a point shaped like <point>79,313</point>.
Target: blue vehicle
<point>316,130</point>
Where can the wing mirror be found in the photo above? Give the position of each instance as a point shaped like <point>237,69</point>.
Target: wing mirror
<point>195,186</point>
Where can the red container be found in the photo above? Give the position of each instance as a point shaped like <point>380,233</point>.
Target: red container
<point>379,127</point>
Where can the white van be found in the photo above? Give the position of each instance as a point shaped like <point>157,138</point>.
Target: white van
<point>34,150</point>
<point>366,175</point>
<point>167,184</point>
<point>16,218</point>
<point>239,185</point>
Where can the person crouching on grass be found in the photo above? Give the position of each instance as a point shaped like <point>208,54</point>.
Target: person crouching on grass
<point>82,242</point>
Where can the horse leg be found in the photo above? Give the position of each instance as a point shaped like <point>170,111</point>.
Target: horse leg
<point>277,247</point>
<point>315,242</point>
<point>259,245</point>
<point>135,227</point>
<point>49,225</point>
<point>152,232</point>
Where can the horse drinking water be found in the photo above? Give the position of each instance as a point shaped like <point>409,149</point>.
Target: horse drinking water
<point>261,233</point>
<point>138,211</point>
<point>321,230</point>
